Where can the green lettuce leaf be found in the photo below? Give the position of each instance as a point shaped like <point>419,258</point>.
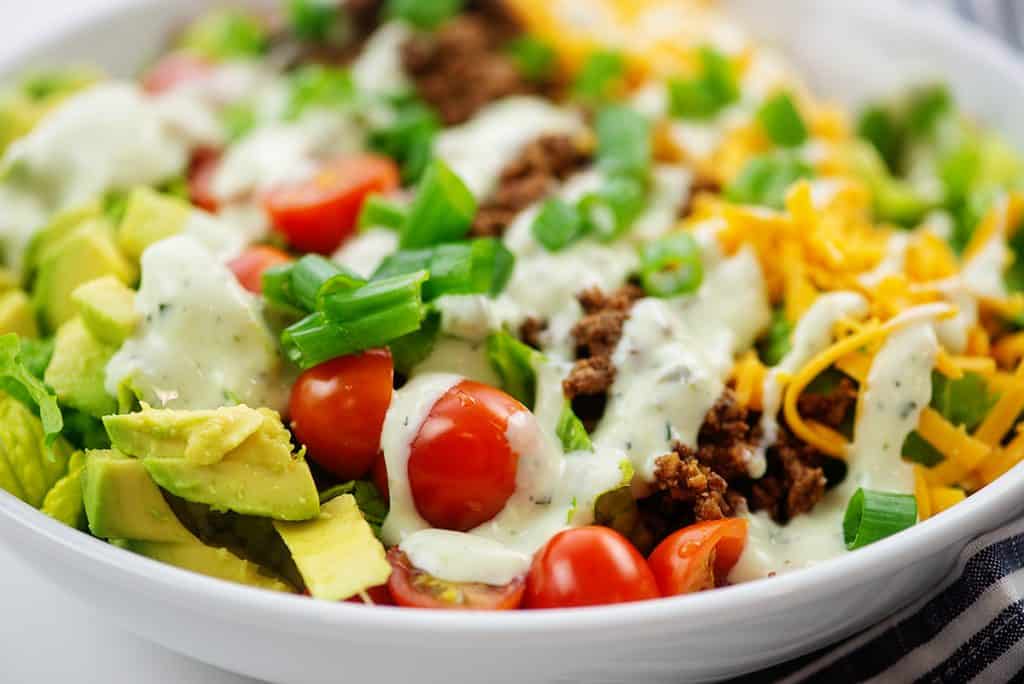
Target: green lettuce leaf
<point>16,374</point>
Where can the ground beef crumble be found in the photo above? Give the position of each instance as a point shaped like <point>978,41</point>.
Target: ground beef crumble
<point>596,334</point>
<point>531,176</point>
<point>460,67</point>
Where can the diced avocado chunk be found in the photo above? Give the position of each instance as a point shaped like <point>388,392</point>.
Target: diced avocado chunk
<point>107,307</point>
<point>8,280</point>
<point>86,253</point>
<point>17,314</point>
<point>124,504</point>
<point>233,458</point>
<point>77,370</point>
<point>64,500</point>
<point>29,468</point>
<point>60,226</point>
<point>337,553</point>
<point>150,217</point>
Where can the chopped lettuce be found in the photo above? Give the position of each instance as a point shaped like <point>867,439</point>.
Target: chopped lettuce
<point>514,362</point>
<point>371,504</point>
<point>17,363</point>
<point>765,180</point>
<point>962,402</point>
<point>776,342</point>
<point>571,432</point>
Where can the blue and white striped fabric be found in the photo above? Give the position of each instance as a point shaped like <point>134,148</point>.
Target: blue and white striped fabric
<point>972,627</point>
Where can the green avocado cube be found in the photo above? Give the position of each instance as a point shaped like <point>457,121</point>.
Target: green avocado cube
<point>86,253</point>
<point>122,501</point>
<point>64,500</point>
<point>234,458</point>
<point>77,369</point>
<point>150,217</point>
<point>107,307</point>
<point>337,552</point>
<point>17,314</point>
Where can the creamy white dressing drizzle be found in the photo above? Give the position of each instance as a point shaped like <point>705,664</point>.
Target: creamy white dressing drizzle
<point>469,358</point>
<point>480,148</point>
<point>812,335</point>
<point>21,215</point>
<point>378,69</point>
<point>285,152</point>
<point>202,342</point>
<point>891,263</point>
<point>364,252</point>
<point>673,359</point>
<point>983,272</point>
<point>222,239</point>
<point>898,388</point>
<point>109,136</point>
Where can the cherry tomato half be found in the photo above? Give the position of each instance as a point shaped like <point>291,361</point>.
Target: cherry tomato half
<point>380,595</point>
<point>173,70</point>
<point>337,411</point>
<point>379,475</point>
<point>462,469</point>
<point>699,556</point>
<point>588,566</point>
<point>201,172</point>
<point>414,588</point>
<point>249,266</point>
<point>319,214</point>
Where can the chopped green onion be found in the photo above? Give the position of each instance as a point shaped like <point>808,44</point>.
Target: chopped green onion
<point>16,378</point>
<point>312,20</point>
<point>408,351</point>
<point>602,76</point>
<point>926,106</point>
<point>873,515</point>
<point>917,449</point>
<point>709,93</point>
<point>514,362</point>
<point>557,225</point>
<point>765,180</point>
<point>534,57</point>
<point>345,305</point>
<point>481,266</point>
<point>225,34</point>
<point>964,401</point>
<point>425,14</point>
<point>782,121</point>
<point>443,209</point>
<point>883,130</point>
<point>370,316</point>
<point>378,212</point>
<point>319,86</point>
<point>408,138</point>
<point>671,266</point>
<point>608,213</point>
<point>298,284</point>
<point>571,432</point>
<point>277,286</point>
<point>623,142</point>
<point>776,343</point>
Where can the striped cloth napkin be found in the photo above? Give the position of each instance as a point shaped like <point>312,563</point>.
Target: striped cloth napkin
<point>971,628</point>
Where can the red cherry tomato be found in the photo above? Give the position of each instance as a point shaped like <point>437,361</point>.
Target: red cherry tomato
<point>588,566</point>
<point>249,266</point>
<point>201,173</point>
<point>414,588</point>
<point>379,475</point>
<point>319,214</point>
<point>380,595</point>
<point>337,411</point>
<point>699,556</point>
<point>462,469</point>
<point>173,70</point>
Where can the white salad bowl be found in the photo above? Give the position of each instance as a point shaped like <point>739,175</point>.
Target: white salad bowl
<point>851,49</point>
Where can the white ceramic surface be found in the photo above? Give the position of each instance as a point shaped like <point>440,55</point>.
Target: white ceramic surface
<point>853,48</point>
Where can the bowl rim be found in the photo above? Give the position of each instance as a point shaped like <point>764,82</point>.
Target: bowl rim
<point>995,502</point>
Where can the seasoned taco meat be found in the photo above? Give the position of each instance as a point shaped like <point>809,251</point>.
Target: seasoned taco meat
<point>596,335</point>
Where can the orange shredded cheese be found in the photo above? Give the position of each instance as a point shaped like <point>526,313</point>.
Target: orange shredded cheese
<point>945,497</point>
<point>748,375</point>
<point>922,494</point>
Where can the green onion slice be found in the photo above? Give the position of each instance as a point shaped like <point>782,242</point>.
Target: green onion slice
<point>873,515</point>
<point>481,266</point>
<point>375,296</point>
<point>424,14</point>
<point>534,57</point>
<point>309,274</point>
<point>623,142</point>
<point>707,94</point>
<point>378,212</point>
<point>602,75</point>
<point>782,121</point>
<point>442,211</point>
<point>671,266</point>
<point>557,225</point>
